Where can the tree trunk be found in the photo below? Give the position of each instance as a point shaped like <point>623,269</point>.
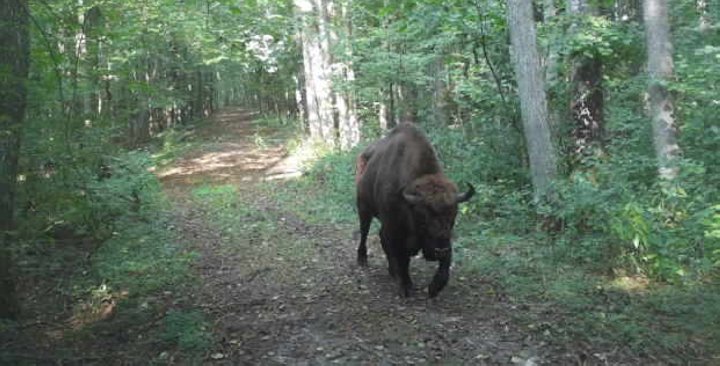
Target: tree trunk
<point>660,70</point>
<point>704,23</point>
<point>408,99</point>
<point>316,58</point>
<point>549,12</point>
<point>14,65</point>
<point>310,63</point>
<point>391,112</point>
<point>383,119</point>
<point>533,101</point>
<point>386,110</point>
<point>328,117</point>
<point>199,99</point>
<point>139,123</point>
<point>551,67</point>
<point>301,91</point>
<point>349,127</point>
<point>440,92</point>
<point>81,99</point>
<point>587,99</point>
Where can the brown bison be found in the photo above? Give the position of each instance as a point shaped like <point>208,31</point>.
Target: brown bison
<point>400,182</point>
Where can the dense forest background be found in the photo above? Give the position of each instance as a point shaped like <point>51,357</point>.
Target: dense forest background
<point>589,129</point>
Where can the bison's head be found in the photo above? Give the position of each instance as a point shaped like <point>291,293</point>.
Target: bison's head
<point>434,201</point>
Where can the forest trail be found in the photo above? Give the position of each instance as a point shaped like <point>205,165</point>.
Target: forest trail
<point>229,154</point>
<point>295,295</point>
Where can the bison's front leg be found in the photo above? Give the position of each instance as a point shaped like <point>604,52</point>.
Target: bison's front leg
<point>403,272</point>
<point>441,276</point>
<point>389,253</point>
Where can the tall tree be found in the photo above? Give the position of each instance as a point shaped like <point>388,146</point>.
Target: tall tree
<point>549,12</point>
<point>386,110</point>
<point>703,19</point>
<point>533,100</point>
<point>551,65</point>
<point>587,100</point>
<point>348,123</point>
<point>316,60</point>
<point>660,71</point>
<point>14,64</point>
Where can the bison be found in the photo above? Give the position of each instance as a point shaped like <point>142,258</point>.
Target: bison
<point>400,182</point>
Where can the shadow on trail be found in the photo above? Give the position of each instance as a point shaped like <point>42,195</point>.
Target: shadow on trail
<point>283,291</point>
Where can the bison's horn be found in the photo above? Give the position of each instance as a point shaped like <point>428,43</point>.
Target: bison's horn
<point>462,197</point>
<point>412,198</point>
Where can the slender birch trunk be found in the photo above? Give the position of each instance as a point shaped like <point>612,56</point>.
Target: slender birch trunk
<point>316,60</point>
<point>660,71</point>
<point>349,126</point>
<point>533,101</point>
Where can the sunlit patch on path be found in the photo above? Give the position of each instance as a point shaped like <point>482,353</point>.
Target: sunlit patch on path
<point>232,155</point>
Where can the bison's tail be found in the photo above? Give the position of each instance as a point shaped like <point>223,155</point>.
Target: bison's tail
<point>360,166</point>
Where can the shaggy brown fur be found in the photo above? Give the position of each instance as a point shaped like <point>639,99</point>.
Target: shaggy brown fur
<point>400,182</point>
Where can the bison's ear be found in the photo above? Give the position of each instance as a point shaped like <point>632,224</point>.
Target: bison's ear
<point>411,196</point>
<point>462,197</point>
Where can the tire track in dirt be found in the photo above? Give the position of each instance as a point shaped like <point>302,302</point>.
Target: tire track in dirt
<point>295,295</point>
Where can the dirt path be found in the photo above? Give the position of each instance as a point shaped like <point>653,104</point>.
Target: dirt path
<point>295,296</point>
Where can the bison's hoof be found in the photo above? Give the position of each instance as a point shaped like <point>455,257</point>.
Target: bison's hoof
<point>406,290</point>
<point>434,290</point>
<point>362,261</point>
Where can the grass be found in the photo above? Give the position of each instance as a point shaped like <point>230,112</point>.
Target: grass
<point>247,226</point>
<point>325,195</point>
<point>680,323</point>
<point>188,329</point>
<point>144,257</point>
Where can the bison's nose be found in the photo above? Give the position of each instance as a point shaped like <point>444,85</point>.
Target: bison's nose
<point>441,253</point>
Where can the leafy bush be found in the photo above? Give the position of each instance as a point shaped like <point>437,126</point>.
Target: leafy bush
<point>77,192</point>
<point>329,186</point>
<point>143,258</point>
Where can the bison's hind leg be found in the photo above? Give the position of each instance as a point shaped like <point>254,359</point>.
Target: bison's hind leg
<point>365,220</point>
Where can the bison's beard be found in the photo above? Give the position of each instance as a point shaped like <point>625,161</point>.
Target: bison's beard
<point>435,254</point>
<point>429,254</point>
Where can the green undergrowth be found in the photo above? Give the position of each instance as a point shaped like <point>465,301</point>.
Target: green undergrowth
<point>325,194</point>
<point>105,250</point>
<point>174,143</point>
<point>148,269</point>
<point>572,290</point>
<point>571,302</point>
<point>144,256</point>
